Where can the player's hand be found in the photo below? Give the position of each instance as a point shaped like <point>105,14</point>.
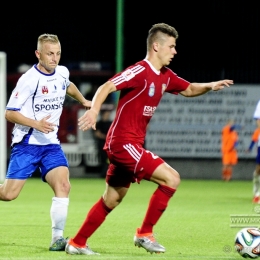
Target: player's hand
<point>88,120</point>
<point>86,103</point>
<point>44,126</point>
<point>217,85</point>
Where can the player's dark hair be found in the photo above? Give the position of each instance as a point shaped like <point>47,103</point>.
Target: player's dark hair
<point>158,29</point>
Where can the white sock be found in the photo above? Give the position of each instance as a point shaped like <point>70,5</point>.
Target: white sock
<point>256,184</point>
<point>58,212</point>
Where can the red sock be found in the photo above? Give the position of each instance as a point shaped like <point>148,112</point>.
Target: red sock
<point>158,204</point>
<point>94,219</point>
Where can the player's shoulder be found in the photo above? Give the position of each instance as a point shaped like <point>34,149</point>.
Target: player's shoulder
<point>131,72</point>
<point>167,70</point>
<point>149,68</point>
<point>29,76</point>
<point>137,68</point>
<point>62,70</point>
<point>30,72</point>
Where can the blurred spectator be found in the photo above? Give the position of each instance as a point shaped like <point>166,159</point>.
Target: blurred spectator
<point>229,142</point>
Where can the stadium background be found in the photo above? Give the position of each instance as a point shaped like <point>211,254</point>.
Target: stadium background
<point>217,39</point>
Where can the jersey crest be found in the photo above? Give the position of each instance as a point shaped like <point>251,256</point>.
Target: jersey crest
<point>45,90</point>
<point>151,90</point>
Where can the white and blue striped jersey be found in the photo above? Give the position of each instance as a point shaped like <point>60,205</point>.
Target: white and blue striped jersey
<point>36,96</point>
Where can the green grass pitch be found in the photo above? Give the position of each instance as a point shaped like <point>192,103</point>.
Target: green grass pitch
<point>196,225</point>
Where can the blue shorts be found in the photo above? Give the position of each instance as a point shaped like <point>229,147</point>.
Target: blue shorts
<point>26,159</point>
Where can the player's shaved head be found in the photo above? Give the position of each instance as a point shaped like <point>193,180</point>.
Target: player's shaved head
<point>51,38</point>
<point>158,32</point>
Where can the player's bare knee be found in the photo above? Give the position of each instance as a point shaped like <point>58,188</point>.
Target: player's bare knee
<point>64,182</point>
<point>112,203</point>
<point>112,200</point>
<point>61,189</point>
<point>174,181</point>
<point>8,196</point>
<point>66,187</point>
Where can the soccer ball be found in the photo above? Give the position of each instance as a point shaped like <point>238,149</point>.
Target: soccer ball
<point>247,242</point>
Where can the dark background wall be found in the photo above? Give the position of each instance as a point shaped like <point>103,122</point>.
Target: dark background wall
<point>218,38</point>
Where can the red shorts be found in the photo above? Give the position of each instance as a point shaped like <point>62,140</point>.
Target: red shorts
<point>130,163</point>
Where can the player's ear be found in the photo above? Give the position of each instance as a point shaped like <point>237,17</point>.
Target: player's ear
<point>37,53</point>
<point>155,46</point>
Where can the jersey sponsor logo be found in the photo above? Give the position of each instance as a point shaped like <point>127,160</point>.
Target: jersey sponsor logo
<point>151,90</point>
<point>45,90</point>
<point>128,74</point>
<point>164,86</point>
<point>55,99</point>
<point>149,111</point>
<point>51,79</point>
<point>48,107</point>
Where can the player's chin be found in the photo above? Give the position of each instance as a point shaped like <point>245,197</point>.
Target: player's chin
<point>53,65</point>
<point>167,63</point>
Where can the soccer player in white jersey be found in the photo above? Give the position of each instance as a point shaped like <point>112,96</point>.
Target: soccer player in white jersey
<point>142,86</point>
<point>35,107</point>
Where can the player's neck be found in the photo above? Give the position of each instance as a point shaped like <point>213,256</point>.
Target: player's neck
<point>154,62</point>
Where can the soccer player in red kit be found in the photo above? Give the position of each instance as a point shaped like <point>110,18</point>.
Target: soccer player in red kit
<point>142,87</point>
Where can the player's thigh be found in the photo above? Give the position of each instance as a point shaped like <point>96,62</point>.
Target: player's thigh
<point>164,174</point>
<point>11,188</point>
<point>114,195</point>
<point>54,164</point>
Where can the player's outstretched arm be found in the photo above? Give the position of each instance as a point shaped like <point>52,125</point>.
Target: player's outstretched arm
<point>89,119</point>
<point>197,89</point>
<point>74,92</point>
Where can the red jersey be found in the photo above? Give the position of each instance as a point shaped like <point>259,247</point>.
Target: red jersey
<point>142,88</point>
